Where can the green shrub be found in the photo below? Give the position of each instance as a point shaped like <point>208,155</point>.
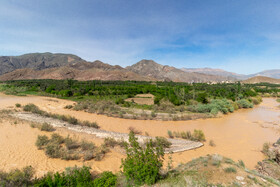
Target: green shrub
<point>18,105</point>
<point>57,138</point>
<point>32,108</point>
<point>85,145</point>
<point>88,155</point>
<point>90,124</point>
<point>71,143</point>
<point>161,141</point>
<point>110,142</point>
<point>265,148</point>
<point>106,179</point>
<point>244,103</point>
<point>198,135</point>
<point>241,163</point>
<point>142,165</point>
<point>68,106</point>
<point>42,141</point>
<point>70,177</point>
<point>230,170</point>
<point>170,134</point>
<point>53,150</point>
<point>17,177</point>
<point>47,127</point>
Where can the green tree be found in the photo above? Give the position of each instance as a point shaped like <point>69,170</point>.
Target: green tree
<point>142,164</point>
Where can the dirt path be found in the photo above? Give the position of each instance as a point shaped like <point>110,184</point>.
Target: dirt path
<point>239,136</point>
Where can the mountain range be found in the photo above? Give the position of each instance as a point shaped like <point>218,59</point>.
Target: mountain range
<point>68,66</point>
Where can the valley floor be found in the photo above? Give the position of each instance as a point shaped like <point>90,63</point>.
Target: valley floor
<point>239,135</point>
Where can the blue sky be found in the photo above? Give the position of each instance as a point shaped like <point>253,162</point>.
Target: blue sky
<point>242,36</point>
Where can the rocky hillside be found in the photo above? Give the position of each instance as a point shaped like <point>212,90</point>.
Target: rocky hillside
<point>217,72</point>
<point>68,72</point>
<point>168,73</point>
<point>274,73</point>
<point>260,79</point>
<point>37,61</point>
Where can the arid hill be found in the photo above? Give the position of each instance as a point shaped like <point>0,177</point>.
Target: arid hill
<point>168,73</point>
<point>37,61</point>
<point>260,79</point>
<point>68,66</point>
<point>217,72</point>
<point>67,72</point>
<point>273,73</point>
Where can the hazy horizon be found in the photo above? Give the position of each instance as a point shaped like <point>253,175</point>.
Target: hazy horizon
<point>236,36</point>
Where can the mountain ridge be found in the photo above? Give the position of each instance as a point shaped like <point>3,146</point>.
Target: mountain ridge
<point>64,66</point>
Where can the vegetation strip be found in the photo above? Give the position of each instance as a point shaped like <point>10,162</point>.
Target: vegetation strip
<point>34,109</point>
<point>171,100</point>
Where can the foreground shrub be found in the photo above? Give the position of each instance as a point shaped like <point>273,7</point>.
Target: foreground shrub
<point>70,177</point>
<point>17,177</point>
<point>106,179</point>
<point>142,164</point>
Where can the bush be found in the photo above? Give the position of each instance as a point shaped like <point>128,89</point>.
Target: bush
<point>53,150</point>
<point>90,124</point>
<point>265,149</point>
<point>244,103</point>
<point>88,155</point>
<point>85,145</point>
<point>68,106</point>
<point>32,108</point>
<point>47,127</point>
<point>18,105</point>
<point>198,135</point>
<point>17,177</point>
<point>106,179</point>
<point>170,134</point>
<point>57,138</point>
<point>71,144</point>
<point>161,141</point>
<point>110,142</point>
<point>42,141</point>
<point>230,170</point>
<point>142,165</point>
<point>70,177</point>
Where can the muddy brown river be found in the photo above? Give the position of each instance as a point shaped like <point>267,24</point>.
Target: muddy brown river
<point>239,135</point>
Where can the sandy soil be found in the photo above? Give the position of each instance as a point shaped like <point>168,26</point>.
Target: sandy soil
<point>236,135</point>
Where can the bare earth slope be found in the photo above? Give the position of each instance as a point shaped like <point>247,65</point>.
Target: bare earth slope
<point>36,61</point>
<point>167,73</point>
<point>260,79</point>
<point>217,72</point>
<point>68,72</point>
<point>273,73</point>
